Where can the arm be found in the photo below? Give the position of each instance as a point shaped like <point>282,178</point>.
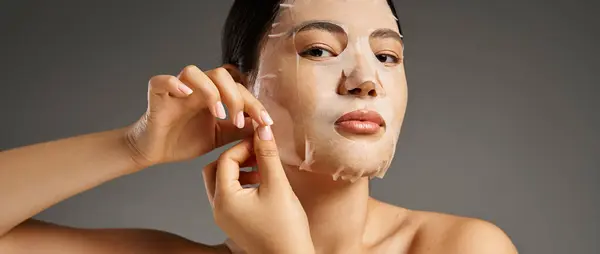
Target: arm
<point>35,177</point>
<point>35,237</point>
<point>178,125</point>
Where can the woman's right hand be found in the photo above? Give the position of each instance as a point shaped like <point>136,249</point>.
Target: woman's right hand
<point>181,119</point>
<point>265,219</point>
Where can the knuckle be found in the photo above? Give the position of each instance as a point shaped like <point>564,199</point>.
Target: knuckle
<point>220,76</point>
<point>220,72</point>
<point>188,70</point>
<point>172,81</point>
<point>267,152</point>
<point>154,80</point>
<point>160,83</point>
<point>222,158</point>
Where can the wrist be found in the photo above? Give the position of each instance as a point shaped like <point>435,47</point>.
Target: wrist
<point>127,143</point>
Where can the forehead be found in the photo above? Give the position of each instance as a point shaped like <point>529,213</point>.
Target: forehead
<point>358,16</point>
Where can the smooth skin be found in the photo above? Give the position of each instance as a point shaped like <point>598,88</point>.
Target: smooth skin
<point>183,122</point>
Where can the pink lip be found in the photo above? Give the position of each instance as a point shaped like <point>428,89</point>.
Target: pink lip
<point>361,122</point>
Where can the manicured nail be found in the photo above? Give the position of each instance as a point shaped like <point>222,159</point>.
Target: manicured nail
<point>184,89</point>
<point>266,118</point>
<point>220,110</point>
<point>239,120</point>
<point>265,133</point>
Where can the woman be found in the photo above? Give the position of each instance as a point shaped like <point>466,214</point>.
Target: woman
<point>301,86</point>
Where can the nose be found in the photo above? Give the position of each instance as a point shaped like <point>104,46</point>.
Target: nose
<point>360,75</point>
<point>365,89</point>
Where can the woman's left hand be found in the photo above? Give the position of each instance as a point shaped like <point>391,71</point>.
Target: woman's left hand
<point>267,219</point>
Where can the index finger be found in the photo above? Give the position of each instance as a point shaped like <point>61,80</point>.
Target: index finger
<point>228,167</point>
<point>253,106</point>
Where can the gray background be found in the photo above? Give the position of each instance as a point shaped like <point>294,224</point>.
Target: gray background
<point>502,121</point>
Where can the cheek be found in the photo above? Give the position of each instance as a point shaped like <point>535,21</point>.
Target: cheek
<point>396,93</point>
<point>295,81</point>
<point>318,83</point>
<point>301,89</point>
<point>399,93</point>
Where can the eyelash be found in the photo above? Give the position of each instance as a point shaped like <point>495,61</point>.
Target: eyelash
<point>310,50</point>
<point>395,59</point>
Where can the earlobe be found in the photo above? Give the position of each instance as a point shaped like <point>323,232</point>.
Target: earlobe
<point>236,74</point>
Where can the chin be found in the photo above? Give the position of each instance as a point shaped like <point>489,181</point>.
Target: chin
<point>349,160</point>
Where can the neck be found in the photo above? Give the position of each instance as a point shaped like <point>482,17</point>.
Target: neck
<point>336,210</point>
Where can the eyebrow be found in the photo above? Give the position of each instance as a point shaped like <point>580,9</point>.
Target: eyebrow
<point>316,25</point>
<point>386,33</point>
<point>328,26</point>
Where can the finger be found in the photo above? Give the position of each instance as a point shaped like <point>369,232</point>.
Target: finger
<point>167,84</point>
<point>228,167</point>
<point>227,132</point>
<point>229,94</point>
<point>253,107</point>
<point>198,81</point>
<point>267,157</point>
<point>209,175</point>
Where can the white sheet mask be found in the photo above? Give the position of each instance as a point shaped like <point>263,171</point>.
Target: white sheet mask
<point>306,94</point>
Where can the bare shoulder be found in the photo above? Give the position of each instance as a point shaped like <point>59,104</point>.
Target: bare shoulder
<point>424,232</point>
<point>445,233</point>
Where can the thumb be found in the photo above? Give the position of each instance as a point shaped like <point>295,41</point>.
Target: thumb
<point>267,157</point>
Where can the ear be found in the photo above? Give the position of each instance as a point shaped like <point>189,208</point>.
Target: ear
<point>236,74</point>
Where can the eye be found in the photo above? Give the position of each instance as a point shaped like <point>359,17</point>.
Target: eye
<point>317,52</point>
<point>387,58</point>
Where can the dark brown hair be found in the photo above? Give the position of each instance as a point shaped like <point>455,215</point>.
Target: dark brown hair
<point>245,28</point>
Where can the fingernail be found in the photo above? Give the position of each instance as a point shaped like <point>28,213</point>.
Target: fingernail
<point>239,120</point>
<point>220,110</point>
<point>265,133</point>
<point>266,118</point>
<point>184,89</point>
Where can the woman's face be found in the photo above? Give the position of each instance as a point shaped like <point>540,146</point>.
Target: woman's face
<point>331,75</point>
